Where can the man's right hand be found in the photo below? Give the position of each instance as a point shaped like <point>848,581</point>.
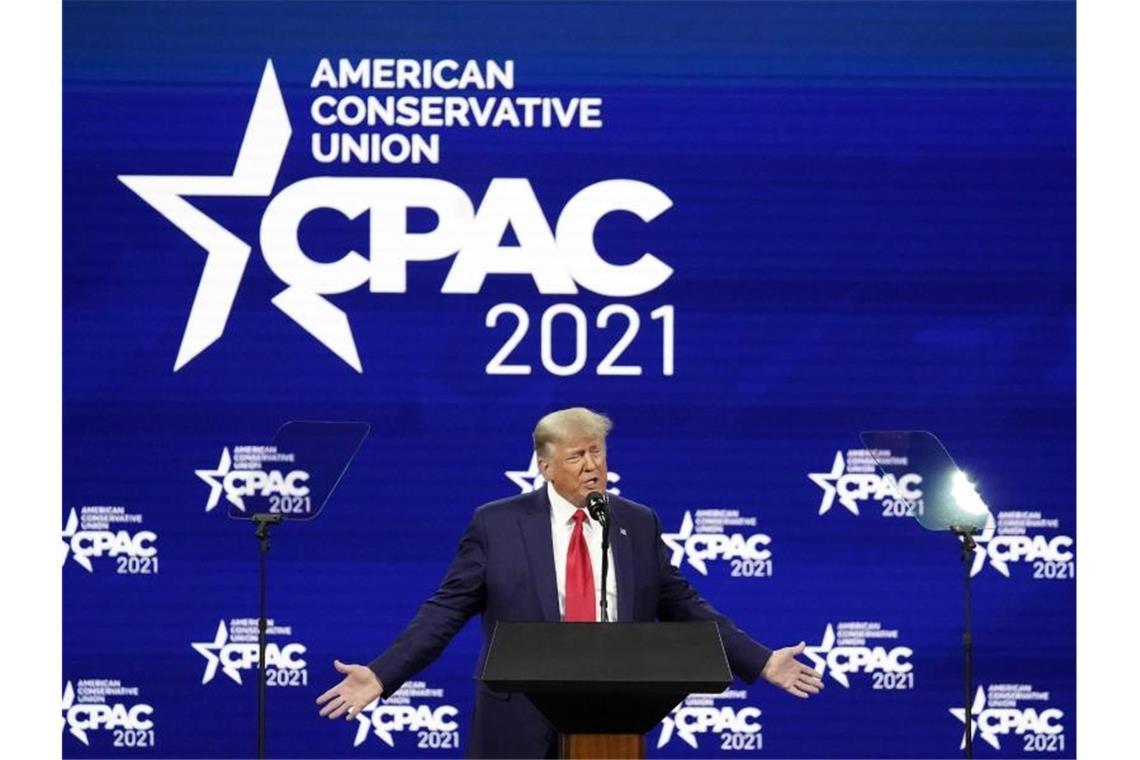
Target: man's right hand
<point>357,689</point>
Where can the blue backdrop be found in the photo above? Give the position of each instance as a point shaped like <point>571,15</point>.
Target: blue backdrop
<point>870,225</point>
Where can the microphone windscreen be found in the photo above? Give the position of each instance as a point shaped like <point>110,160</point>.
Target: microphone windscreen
<point>596,506</point>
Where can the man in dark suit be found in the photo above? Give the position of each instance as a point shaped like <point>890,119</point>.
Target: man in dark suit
<point>534,557</point>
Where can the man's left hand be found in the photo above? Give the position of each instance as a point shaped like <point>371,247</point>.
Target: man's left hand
<point>791,675</point>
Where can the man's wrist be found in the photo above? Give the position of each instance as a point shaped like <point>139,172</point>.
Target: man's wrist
<point>376,677</point>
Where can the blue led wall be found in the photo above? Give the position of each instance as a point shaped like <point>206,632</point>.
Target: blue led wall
<point>747,232</point>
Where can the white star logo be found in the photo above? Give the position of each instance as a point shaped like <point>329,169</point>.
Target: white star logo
<point>364,722</point>
<point>669,725</point>
<point>825,481</point>
<point>259,159</point>
<point>531,478</point>
<point>676,542</point>
<point>69,531</point>
<point>208,650</point>
<point>68,701</point>
<point>980,552</point>
<point>215,479</point>
<point>818,656</point>
<point>976,711</point>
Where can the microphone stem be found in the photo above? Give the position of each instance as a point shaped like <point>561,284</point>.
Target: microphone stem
<point>605,617</point>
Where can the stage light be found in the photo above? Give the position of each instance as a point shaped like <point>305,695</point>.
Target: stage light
<point>965,494</point>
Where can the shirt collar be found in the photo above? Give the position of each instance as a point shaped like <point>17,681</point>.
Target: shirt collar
<point>562,509</point>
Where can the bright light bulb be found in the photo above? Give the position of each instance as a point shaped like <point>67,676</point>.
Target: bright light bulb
<point>966,495</point>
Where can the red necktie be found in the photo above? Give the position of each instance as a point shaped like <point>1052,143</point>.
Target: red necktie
<point>580,602</point>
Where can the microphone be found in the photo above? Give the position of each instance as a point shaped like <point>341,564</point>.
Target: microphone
<point>597,504</point>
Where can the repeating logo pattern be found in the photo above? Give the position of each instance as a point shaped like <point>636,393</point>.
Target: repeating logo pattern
<point>706,536</point>
<point>854,480</point>
<point>105,707</point>
<point>96,532</point>
<point>1000,711</point>
<point>1019,537</point>
<point>234,649</point>
<point>417,709</point>
<point>553,256</point>
<point>849,648</point>
<point>730,716</point>
<point>254,471</point>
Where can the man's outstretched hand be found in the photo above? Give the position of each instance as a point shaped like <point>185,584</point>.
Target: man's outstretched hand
<point>791,675</point>
<point>355,691</point>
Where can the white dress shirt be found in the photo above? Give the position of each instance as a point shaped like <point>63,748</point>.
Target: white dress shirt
<point>561,528</point>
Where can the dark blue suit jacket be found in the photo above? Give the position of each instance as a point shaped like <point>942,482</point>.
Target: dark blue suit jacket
<point>504,569</point>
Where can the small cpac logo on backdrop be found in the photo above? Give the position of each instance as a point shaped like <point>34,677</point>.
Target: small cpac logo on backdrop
<point>284,662</point>
<point>1000,714</point>
<point>239,483</point>
<point>848,653</point>
<point>88,709</point>
<point>695,542</point>
<point>1007,541</point>
<point>852,484</point>
<point>434,725</point>
<point>737,727</point>
<point>87,536</point>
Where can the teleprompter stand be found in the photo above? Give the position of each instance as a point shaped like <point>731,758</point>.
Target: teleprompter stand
<point>317,454</point>
<point>261,523</point>
<point>966,534</point>
<point>604,686</point>
<point>948,501</point>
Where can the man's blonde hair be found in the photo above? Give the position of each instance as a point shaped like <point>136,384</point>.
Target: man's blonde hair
<point>569,423</point>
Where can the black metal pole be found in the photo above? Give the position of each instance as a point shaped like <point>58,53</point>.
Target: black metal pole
<point>605,597</point>
<point>261,530</point>
<point>968,546</point>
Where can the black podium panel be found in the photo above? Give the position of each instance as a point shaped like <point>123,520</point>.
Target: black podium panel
<point>606,677</point>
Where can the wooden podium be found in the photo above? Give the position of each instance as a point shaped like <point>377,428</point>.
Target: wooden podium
<point>603,686</point>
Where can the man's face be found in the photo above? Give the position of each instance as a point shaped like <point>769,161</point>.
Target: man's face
<point>575,467</point>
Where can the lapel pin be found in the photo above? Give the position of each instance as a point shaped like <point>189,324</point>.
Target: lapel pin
<point>622,531</point>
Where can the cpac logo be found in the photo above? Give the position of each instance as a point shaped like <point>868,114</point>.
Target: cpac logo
<point>531,479</point>
<point>81,718</point>
<point>235,658</point>
<point>989,723</point>
<point>685,722</point>
<point>241,483</point>
<point>841,660</point>
<point>384,720</point>
<point>558,261</point>
<point>82,545</point>
<point>698,547</point>
<point>852,488</point>
<point>1001,550</point>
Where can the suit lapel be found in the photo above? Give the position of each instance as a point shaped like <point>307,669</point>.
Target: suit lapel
<point>535,525</point>
<point>623,561</point>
